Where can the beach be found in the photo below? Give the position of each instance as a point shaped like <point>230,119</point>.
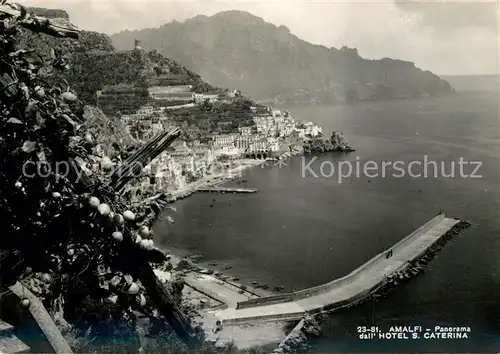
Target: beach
<point>209,286</point>
<point>215,178</point>
<point>207,289</point>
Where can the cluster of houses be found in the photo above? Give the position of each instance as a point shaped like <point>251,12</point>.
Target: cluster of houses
<point>238,144</point>
<point>146,122</point>
<point>186,161</point>
<point>180,165</point>
<point>266,137</point>
<point>189,160</point>
<point>282,124</point>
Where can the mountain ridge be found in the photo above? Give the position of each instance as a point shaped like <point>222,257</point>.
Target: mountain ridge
<point>238,49</point>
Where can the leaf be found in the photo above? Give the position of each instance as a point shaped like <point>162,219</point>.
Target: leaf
<point>32,58</point>
<point>46,70</point>
<point>128,278</point>
<point>29,146</point>
<point>17,53</point>
<point>115,281</point>
<point>39,119</point>
<point>52,53</point>
<point>68,96</point>
<point>14,121</point>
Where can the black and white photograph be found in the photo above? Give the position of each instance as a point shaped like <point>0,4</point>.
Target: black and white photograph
<point>249,177</point>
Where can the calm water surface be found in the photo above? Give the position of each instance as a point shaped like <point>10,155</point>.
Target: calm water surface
<point>301,231</point>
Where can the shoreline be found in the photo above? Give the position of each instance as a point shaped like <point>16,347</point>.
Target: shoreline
<point>211,285</point>
<point>212,180</point>
<point>206,290</point>
<point>231,174</point>
<point>217,271</point>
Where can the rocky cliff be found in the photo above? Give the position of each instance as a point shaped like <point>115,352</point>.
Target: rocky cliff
<point>237,49</point>
<point>337,142</point>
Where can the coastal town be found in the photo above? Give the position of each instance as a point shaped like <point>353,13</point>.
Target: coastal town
<point>211,150</point>
<point>91,260</point>
<point>181,135</point>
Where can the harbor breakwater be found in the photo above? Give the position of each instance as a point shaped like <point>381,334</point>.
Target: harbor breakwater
<point>415,267</point>
<point>298,339</point>
<point>349,278</point>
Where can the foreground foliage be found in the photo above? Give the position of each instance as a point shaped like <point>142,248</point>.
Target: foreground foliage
<point>66,235</point>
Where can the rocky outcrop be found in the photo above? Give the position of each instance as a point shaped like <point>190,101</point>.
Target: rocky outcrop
<point>298,339</point>
<point>340,143</point>
<point>42,43</point>
<point>337,142</point>
<point>317,145</point>
<point>48,13</point>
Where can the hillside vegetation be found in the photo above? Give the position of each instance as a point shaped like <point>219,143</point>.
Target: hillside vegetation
<point>94,63</point>
<point>69,238</point>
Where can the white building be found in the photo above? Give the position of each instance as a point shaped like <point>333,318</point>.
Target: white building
<point>302,132</point>
<point>229,149</point>
<point>233,93</point>
<point>260,145</point>
<point>315,130</point>
<point>275,112</point>
<point>245,130</point>
<point>243,142</point>
<point>279,119</point>
<point>287,129</point>
<point>273,144</point>
<point>224,139</point>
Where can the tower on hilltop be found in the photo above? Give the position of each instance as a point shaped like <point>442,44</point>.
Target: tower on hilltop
<point>137,44</point>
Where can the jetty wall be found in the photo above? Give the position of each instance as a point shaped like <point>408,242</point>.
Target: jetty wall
<point>323,288</point>
<point>295,333</point>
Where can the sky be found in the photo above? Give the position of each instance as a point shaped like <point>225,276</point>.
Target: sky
<point>446,37</point>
